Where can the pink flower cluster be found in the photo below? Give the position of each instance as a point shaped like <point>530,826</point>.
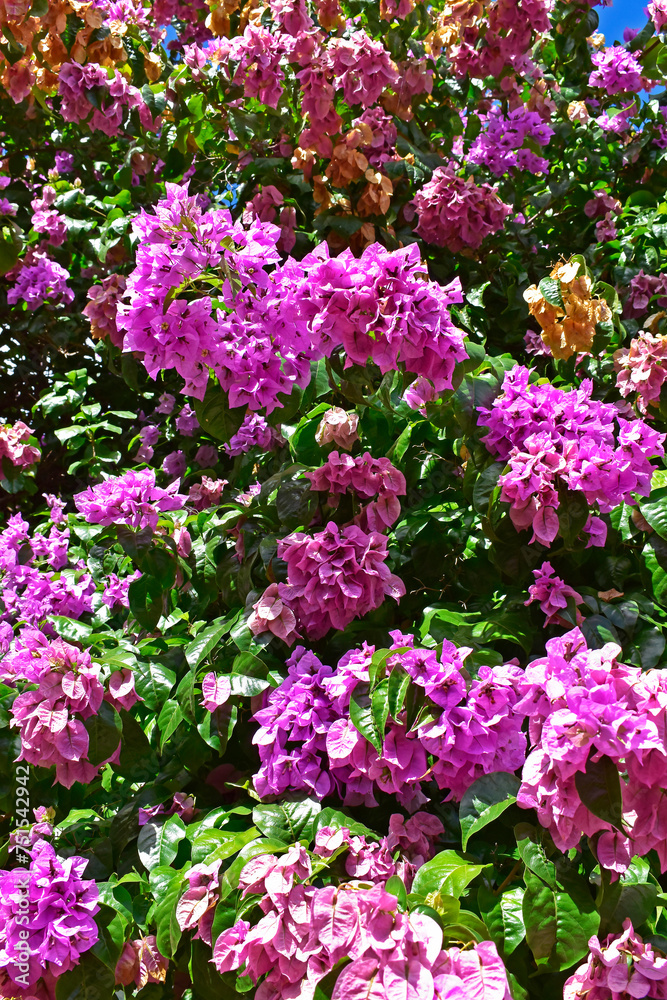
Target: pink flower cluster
<point>268,206</point>
<point>376,860</point>
<point>31,593</point>
<point>550,436</point>
<point>657,10</point>
<point>457,213</point>
<point>583,705</point>
<point>42,828</point>
<point>14,444</point>
<point>335,576</point>
<point>46,219</point>
<point>216,690</point>
<point>141,962</point>
<point>307,740</point>
<point>60,908</point>
<point>40,280</point>
<point>385,133</point>
<point>552,593</point>
<point>306,931</point>
<point>131,499</point>
<point>131,12</point>
<point>642,368</point>
<point>271,613</point>
<point>207,493</point>
<point>51,716</point>
<point>256,350</point>
<point>367,477</point>
<point>505,42</point>
<point>182,805</point>
<point>616,71</point>
<point>149,435</point>
<point>641,290</point>
<point>501,146</point>
<point>102,308</point>
<point>378,307</point>
<point>623,967</point>
<point>196,907</point>
<point>116,590</point>
<point>363,68</point>
<point>254,432</point>
<point>383,307</point>
<point>114,96</point>
<point>252,61</point>
<point>338,427</point>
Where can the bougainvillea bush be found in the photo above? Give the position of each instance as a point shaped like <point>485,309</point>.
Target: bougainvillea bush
<point>333,501</point>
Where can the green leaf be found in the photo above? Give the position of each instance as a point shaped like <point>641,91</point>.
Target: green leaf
<point>70,629</point>
<point>485,800</point>
<point>599,787</point>
<point>485,486</point>
<point>549,289</point>
<point>89,980</point>
<point>215,415</point>
<point>655,568</point>
<point>448,872</point>
<point>396,886</point>
<point>400,445</point>
<point>135,543</point>
<point>655,511</point>
<point>380,706</point>
<point>169,720</point>
<point>397,688</point>
<point>159,839</point>
<point>572,515</point>
<point>111,939</point>
<point>503,915</point>
<point>154,683</point>
<point>161,566</point>
<point>295,504</point>
<point>10,247</point>
<point>288,821</point>
<point>104,732</point>
<point>539,915</point>
<point>635,902</point>
<point>651,646</point>
<point>532,853</point>
<point>146,601</point>
<point>206,641</point>
<point>138,761</point>
<point>213,844</point>
<point>168,932</point>
<point>362,720</point>
<point>337,820</point>
<point>249,675</point>
<point>558,924</point>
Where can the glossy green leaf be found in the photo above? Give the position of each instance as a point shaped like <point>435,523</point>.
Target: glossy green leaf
<point>159,839</point>
<point>104,732</point>
<point>449,872</point>
<point>89,980</point>
<point>397,688</point>
<point>287,821</point>
<point>599,787</point>
<point>485,800</point>
<point>362,719</point>
<point>558,924</point>
<point>503,915</point>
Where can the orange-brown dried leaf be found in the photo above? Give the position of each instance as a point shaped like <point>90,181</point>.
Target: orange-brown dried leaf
<point>346,165</point>
<point>376,196</point>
